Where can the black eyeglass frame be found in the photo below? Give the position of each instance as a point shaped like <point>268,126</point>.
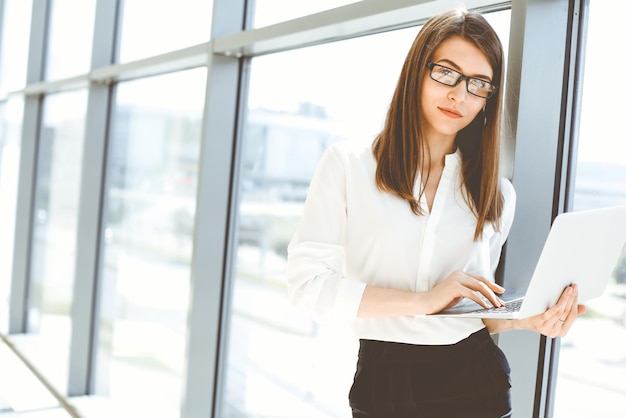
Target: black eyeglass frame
<point>430,65</point>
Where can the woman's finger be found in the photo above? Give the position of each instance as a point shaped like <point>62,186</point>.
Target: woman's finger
<point>560,318</point>
<point>492,285</point>
<point>572,310</point>
<point>484,288</point>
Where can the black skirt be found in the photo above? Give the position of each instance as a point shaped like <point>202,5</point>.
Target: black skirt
<point>469,379</point>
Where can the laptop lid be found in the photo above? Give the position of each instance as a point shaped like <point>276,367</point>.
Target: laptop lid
<point>582,247</point>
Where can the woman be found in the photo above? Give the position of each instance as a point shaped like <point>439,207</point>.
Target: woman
<point>414,223</point>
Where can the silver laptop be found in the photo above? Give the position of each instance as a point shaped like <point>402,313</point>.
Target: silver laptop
<point>582,247</point>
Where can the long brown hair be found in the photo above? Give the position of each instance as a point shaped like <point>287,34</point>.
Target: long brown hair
<point>400,149</point>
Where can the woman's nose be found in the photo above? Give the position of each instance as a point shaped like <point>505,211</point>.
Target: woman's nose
<point>459,92</point>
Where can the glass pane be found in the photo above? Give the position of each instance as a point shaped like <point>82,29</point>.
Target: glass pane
<point>10,136</point>
<point>592,361</point>
<point>269,12</point>
<point>153,27</point>
<point>53,248</point>
<point>15,34</point>
<point>148,235</point>
<point>299,103</point>
<point>70,38</point>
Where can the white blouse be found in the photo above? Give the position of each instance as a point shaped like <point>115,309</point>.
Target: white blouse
<point>352,234</point>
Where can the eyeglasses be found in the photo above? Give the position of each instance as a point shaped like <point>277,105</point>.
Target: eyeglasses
<point>452,78</point>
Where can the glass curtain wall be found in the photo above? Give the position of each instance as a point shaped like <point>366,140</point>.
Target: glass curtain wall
<point>57,188</point>
<point>344,89</point>
<point>147,241</point>
<point>149,193</point>
<point>592,359</point>
<point>149,212</point>
<point>276,352</point>
<point>299,102</point>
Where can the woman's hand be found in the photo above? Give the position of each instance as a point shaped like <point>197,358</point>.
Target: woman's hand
<point>384,302</point>
<point>461,285</point>
<point>557,320</point>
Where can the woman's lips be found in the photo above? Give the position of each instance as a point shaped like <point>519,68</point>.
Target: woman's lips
<point>452,113</point>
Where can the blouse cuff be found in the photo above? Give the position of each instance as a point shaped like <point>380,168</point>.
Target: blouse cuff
<point>348,299</point>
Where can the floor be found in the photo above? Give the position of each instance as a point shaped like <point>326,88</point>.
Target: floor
<point>21,393</point>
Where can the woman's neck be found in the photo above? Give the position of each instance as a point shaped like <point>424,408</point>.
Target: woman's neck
<point>437,152</point>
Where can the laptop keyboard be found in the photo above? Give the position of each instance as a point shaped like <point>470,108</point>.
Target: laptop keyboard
<point>512,306</point>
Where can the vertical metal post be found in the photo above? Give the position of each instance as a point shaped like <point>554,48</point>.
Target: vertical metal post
<point>210,263</point>
<point>85,295</point>
<point>18,303</point>
<point>538,87</point>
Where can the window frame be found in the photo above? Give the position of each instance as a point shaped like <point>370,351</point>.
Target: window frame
<point>544,148</point>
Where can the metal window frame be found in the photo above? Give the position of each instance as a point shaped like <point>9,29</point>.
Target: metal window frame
<point>87,270</point>
<point>549,33</point>
<point>211,263</point>
<point>356,19</point>
<point>18,303</point>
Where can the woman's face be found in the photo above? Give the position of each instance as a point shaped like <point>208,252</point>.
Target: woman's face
<point>446,109</point>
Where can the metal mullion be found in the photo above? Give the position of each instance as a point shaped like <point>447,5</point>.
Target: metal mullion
<point>20,277</point>
<point>576,46</point>
<point>210,265</point>
<point>539,34</point>
<point>54,86</point>
<point>183,59</point>
<point>87,268</point>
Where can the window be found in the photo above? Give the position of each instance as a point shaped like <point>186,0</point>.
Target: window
<point>14,34</point>
<point>148,234</point>
<point>10,130</point>
<point>343,91</point>
<point>70,39</point>
<point>153,27</point>
<point>53,248</point>
<point>592,363</point>
<point>268,12</point>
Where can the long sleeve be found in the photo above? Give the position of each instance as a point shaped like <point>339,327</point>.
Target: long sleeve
<point>315,269</point>
<point>351,234</point>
